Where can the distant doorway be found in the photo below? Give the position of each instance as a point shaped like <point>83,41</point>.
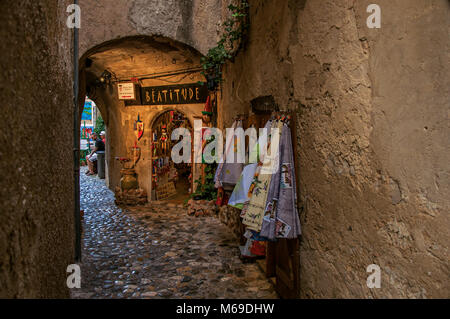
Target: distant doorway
<point>170,181</point>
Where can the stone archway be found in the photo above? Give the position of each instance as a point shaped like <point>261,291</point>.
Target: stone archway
<point>154,61</point>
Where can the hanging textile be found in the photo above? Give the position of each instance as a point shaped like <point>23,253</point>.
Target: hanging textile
<point>254,213</point>
<point>268,224</point>
<point>240,196</point>
<point>240,193</point>
<point>229,173</point>
<point>267,193</point>
<point>287,221</point>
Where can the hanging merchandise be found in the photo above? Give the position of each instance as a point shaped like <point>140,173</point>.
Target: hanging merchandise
<point>253,215</point>
<point>266,193</point>
<point>246,249</point>
<point>268,224</point>
<point>139,128</point>
<point>287,220</point>
<point>164,141</point>
<point>217,182</point>
<point>169,178</point>
<point>280,217</point>
<point>241,193</point>
<point>229,170</point>
<point>258,248</point>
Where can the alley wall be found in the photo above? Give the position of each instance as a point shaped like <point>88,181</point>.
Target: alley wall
<point>193,22</point>
<point>372,113</point>
<point>36,149</point>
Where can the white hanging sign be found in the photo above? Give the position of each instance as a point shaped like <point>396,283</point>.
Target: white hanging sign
<point>126,91</point>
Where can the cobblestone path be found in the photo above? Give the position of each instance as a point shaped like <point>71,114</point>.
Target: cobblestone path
<point>157,251</point>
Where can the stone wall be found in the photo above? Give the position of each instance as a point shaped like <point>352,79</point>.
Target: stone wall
<point>193,22</point>
<point>36,167</point>
<point>372,113</point>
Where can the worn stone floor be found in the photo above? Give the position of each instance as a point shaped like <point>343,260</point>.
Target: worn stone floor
<point>157,251</point>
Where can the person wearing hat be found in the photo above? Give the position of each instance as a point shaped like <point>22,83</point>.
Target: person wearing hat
<point>103,136</point>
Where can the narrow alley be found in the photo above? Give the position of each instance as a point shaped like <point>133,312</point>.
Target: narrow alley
<point>224,149</point>
<point>158,251</point>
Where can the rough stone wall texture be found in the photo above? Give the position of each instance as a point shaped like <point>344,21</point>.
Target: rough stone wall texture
<point>373,147</point>
<point>36,190</point>
<point>193,22</point>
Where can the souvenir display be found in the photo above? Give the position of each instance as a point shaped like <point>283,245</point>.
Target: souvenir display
<point>260,186</point>
<point>139,128</point>
<point>165,173</point>
<point>229,171</point>
<point>266,191</point>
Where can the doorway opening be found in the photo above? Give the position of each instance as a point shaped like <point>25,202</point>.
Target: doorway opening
<point>170,181</point>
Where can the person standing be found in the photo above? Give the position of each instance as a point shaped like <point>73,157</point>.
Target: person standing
<point>92,157</point>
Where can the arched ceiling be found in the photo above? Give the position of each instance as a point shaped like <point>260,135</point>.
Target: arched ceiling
<point>137,56</point>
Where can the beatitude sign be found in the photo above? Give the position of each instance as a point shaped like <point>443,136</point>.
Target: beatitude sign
<point>174,94</point>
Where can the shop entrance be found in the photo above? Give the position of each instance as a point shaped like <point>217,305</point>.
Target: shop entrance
<point>170,181</point>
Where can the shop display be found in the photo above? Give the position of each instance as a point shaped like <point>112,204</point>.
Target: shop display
<point>253,213</point>
<point>229,173</point>
<point>138,128</point>
<point>164,171</point>
<point>265,193</point>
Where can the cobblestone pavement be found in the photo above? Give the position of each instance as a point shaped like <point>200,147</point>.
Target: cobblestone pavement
<point>157,251</point>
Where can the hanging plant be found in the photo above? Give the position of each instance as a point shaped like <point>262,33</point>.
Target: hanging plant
<point>236,27</point>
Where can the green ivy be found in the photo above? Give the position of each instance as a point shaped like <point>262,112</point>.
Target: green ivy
<point>207,190</point>
<point>235,29</point>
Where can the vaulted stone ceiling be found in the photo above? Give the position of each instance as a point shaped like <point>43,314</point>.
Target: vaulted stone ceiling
<point>136,57</point>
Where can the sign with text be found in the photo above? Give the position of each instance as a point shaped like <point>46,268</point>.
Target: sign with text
<point>174,94</point>
<point>126,91</point>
